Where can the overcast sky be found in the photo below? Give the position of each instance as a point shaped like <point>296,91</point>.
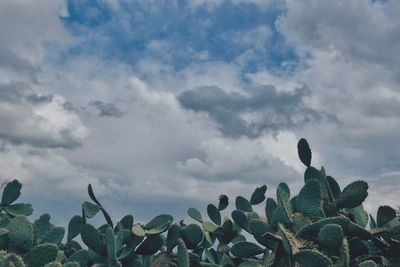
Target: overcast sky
<point>164,105</point>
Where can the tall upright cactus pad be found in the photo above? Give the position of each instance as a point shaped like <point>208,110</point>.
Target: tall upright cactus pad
<point>309,200</point>
<point>304,152</point>
<point>283,198</point>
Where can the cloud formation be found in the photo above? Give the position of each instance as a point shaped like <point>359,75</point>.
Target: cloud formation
<point>107,109</point>
<point>261,110</point>
<point>191,99</point>
<point>38,120</point>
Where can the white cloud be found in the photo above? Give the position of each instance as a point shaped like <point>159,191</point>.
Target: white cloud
<point>38,120</point>
<point>360,31</point>
<point>44,173</point>
<point>25,26</point>
<point>244,160</point>
<point>197,74</point>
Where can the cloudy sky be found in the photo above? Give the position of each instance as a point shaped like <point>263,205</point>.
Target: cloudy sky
<point>164,105</point>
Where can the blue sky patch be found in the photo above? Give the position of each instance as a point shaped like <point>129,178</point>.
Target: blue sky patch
<point>178,35</point>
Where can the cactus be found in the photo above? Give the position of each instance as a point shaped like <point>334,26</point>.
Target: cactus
<point>283,197</point>
<point>182,255</point>
<point>80,256</point>
<point>385,215</point>
<point>195,214</point>
<point>245,249</point>
<point>304,152</point>
<point>331,237</point>
<point>21,233</point>
<point>320,226</point>
<point>258,195</point>
<point>309,200</point>
<point>41,255</point>
<point>243,204</point>
<point>223,202</point>
<point>352,195</point>
<point>93,239</point>
<point>214,214</point>
<point>150,245</point>
<point>312,258</point>
<point>10,260</point>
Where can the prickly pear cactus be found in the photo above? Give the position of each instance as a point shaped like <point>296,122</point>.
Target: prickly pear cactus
<point>323,225</point>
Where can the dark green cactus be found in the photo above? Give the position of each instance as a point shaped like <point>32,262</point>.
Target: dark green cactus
<point>330,237</point>
<point>21,233</point>
<point>150,245</point>
<point>195,214</point>
<point>312,258</point>
<point>258,195</point>
<point>385,215</point>
<point>223,202</point>
<point>243,204</point>
<point>309,200</point>
<point>10,259</point>
<point>246,249</point>
<point>81,257</point>
<point>304,152</point>
<point>283,199</point>
<point>182,254</point>
<point>320,226</point>
<point>352,195</point>
<point>214,214</point>
<point>93,238</point>
<point>41,255</point>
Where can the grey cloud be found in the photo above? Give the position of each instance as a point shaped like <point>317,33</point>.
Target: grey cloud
<point>271,110</point>
<point>9,60</point>
<point>37,119</point>
<point>39,98</point>
<point>107,109</point>
<point>352,67</point>
<point>360,31</point>
<point>24,29</point>
<point>254,169</point>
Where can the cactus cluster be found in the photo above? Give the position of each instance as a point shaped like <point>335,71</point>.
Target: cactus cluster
<point>323,225</point>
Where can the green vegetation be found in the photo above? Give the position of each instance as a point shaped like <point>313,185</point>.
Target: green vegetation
<point>321,226</point>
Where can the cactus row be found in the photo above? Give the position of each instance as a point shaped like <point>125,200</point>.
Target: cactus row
<point>323,225</point>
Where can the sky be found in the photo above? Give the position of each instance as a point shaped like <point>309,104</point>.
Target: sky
<point>163,105</point>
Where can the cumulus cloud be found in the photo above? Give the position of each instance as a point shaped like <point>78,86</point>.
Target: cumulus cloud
<point>363,32</point>
<point>30,113</point>
<point>242,160</point>
<point>263,109</point>
<point>38,120</point>
<point>25,27</point>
